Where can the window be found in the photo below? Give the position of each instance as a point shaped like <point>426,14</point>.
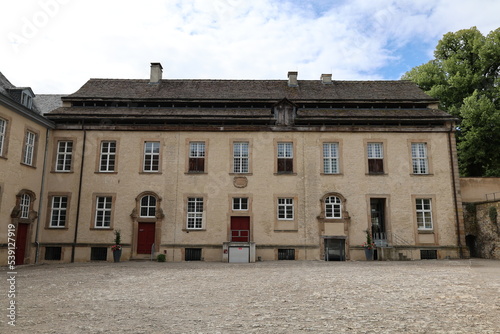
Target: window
<point>29,148</point>
<point>424,213</point>
<point>192,254</point>
<point>333,207</point>
<point>26,100</point>
<point>240,204</point>
<point>53,253</point>
<point>240,157</point>
<point>3,132</point>
<point>375,158</point>
<point>25,205</point>
<point>286,254</point>
<point>197,157</point>
<point>195,213</point>
<point>64,156</point>
<point>108,155</point>
<point>285,157</point>
<point>151,156</point>
<point>148,206</point>
<point>98,253</point>
<point>331,158</point>
<point>419,158</point>
<point>103,211</point>
<point>59,207</point>
<point>285,208</point>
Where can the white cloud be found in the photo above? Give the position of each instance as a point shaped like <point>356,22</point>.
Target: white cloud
<point>61,44</point>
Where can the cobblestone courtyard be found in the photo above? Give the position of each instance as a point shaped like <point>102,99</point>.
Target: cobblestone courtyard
<point>460,296</point>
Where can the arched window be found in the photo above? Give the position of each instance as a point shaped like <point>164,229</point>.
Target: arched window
<point>333,207</point>
<point>148,206</point>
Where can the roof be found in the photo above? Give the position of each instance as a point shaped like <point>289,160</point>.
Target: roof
<point>48,102</point>
<point>257,90</point>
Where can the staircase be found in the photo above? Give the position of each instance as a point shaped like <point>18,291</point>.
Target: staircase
<point>399,249</point>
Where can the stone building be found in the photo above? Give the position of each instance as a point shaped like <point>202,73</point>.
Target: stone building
<point>248,170</point>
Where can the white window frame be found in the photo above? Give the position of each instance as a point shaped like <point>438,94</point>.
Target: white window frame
<point>26,100</point>
<point>25,205</point>
<point>149,206</point>
<point>107,156</point>
<point>3,133</point>
<point>240,203</point>
<point>29,148</point>
<point>333,207</point>
<point>423,210</point>
<point>375,151</point>
<point>151,154</point>
<point>420,161</point>
<point>58,211</point>
<point>285,151</point>
<point>64,155</point>
<point>285,208</point>
<point>241,156</point>
<point>197,150</point>
<point>195,212</point>
<point>331,158</point>
<point>103,212</point>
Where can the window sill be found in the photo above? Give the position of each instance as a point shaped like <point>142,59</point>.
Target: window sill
<point>62,171</point>
<point>284,173</point>
<point>335,174</point>
<point>109,173</point>
<point>413,174</point>
<point>425,231</point>
<point>240,174</point>
<point>187,230</point>
<point>376,174</point>
<point>55,228</point>
<point>29,166</point>
<point>195,173</point>
<point>101,228</point>
<point>284,231</point>
<point>150,173</point>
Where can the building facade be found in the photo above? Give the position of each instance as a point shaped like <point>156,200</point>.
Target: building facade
<point>248,170</point>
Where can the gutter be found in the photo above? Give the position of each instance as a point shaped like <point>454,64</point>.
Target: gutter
<point>42,190</point>
<point>73,246</point>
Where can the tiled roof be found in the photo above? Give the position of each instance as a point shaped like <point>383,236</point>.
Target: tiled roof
<point>263,90</point>
<point>48,102</point>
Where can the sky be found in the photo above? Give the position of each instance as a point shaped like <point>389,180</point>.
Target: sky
<point>55,46</point>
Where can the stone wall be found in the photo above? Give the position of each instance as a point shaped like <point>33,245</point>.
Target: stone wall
<point>482,227</point>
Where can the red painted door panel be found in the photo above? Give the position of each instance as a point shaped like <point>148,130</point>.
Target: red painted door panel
<point>240,229</point>
<point>22,233</point>
<point>145,238</point>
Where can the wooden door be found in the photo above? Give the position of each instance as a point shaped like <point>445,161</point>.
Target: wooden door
<point>145,237</point>
<point>240,229</point>
<point>22,234</point>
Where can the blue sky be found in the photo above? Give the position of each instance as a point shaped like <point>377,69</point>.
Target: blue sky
<point>55,46</point>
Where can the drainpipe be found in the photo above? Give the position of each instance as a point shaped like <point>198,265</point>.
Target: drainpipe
<point>455,200</point>
<point>73,246</point>
<point>42,189</point>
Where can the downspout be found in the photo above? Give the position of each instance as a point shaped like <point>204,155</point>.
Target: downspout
<point>455,200</point>
<point>42,189</point>
<point>73,246</point>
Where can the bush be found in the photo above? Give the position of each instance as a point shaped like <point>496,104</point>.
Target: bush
<point>161,258</point>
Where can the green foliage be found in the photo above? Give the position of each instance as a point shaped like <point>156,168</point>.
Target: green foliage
<point>118,237</point>
<point>492,212</point>
<point>464,76</point>
<point>161,258</point>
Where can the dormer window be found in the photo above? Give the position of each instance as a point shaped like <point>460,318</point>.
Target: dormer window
<point>26,99</point>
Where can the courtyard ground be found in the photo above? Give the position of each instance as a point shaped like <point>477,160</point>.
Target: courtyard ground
<point>448,296</point>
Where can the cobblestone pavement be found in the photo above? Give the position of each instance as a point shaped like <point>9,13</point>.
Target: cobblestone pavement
<point>449,296</point>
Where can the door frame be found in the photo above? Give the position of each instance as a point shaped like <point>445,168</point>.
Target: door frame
<point>138,234</point>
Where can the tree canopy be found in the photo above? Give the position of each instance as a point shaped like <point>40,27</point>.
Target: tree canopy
<point>464,76</point>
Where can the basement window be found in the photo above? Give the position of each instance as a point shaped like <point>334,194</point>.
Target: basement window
<point>53,253</point>
<point>428,254</point>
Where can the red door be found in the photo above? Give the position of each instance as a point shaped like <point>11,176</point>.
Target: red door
<point>240,229</point>
<point>145,238</point>
<point>22,233</point>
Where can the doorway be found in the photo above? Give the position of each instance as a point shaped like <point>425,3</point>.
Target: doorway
<point>334,249</point>
<point>145,237</point>
<point>240,229</point>
<point>377,213</point>
<point>22,234</point>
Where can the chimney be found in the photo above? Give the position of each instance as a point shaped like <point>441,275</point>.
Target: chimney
<point>292,79</point>
<point>326,79</point>
<point>156,72</point>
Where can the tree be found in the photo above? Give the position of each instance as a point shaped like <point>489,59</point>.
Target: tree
<point>464,76</point>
